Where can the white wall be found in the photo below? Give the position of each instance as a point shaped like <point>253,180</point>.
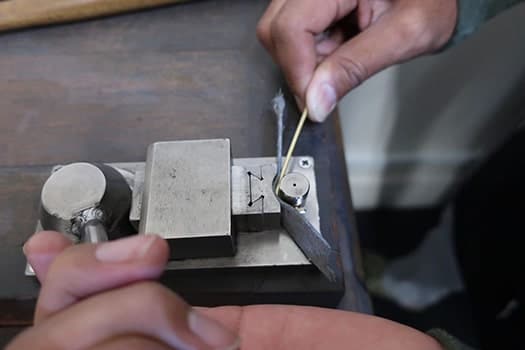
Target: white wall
<point>414,130</point>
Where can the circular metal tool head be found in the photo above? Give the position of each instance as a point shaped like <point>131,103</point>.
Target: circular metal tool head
<point>72,189</point>
<point>76,188</point>
<point>294,189</point>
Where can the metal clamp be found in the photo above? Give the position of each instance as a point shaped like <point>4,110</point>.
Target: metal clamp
<point>216,212</point>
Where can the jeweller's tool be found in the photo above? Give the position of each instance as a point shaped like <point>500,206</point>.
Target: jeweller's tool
<point>291,149</point>
<point>230,235</point>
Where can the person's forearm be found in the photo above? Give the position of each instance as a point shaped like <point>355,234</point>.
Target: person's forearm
<point>473,13</point>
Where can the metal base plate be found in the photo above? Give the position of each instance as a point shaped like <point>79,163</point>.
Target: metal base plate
<point>266,248</point>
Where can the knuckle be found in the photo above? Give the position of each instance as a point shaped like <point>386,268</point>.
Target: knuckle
<point>414,27</point>
<point>350,71</point>
<point>283,26</point>
<point>263,32</point>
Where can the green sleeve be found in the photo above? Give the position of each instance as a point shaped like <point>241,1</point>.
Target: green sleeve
<point>473,13</point>
<point>447,341</point>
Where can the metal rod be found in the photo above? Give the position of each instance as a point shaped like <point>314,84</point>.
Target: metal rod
<point>93,232</point>
<point>291,149</point>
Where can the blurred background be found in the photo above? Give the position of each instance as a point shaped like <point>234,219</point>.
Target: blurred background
<point>415,130</point>
<point>414,134</point>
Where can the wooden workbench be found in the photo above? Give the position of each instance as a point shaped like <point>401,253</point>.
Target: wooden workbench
<point>103,90</point>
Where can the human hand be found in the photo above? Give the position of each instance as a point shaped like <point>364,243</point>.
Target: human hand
<point>308,39</point>
<point>99,296</point>
<point>78,309</point>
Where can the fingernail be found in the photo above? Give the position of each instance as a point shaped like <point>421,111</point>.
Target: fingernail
<point>211,332</point>
<point>321,102</point>
<point>26,248</point>
<point>125,249</point>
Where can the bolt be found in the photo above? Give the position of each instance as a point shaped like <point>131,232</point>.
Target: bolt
<point>99,215</point>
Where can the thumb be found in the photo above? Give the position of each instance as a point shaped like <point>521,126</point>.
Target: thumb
<point>383,44</point>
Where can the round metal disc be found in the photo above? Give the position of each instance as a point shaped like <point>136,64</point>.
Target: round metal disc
<point>294,189</point>
<point>73,188</point>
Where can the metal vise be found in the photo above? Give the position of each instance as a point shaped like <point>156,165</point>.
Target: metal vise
<point>220,216</point>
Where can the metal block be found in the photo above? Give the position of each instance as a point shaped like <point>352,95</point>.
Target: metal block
<point>254,206</point>
<point>303,165</point>
<point>272,248</point>
<point>136,198</point>
<point>187,197</point>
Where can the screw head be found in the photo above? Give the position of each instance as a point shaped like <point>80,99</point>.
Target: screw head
<point>99,215</point>
<point>305,163</point>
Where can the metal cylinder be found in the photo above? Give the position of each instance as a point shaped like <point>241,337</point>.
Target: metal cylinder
<point>94,232</point>
<point>68,192</point>
<point>294,189</point>
<point>90,201</point>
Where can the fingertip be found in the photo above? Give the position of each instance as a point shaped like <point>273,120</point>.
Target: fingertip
<point>262,32</point>
<point>364,14</point>
<point>46,242</point>
<point>42,249</point>
<point>159,248</point>
<point>321,100</point>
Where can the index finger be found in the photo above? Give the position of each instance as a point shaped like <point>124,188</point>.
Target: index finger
<point>87,269</point>
<point>293,33</point>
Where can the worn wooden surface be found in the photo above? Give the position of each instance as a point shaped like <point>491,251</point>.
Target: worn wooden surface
<point>103,90</point>
<point>16,14</point>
